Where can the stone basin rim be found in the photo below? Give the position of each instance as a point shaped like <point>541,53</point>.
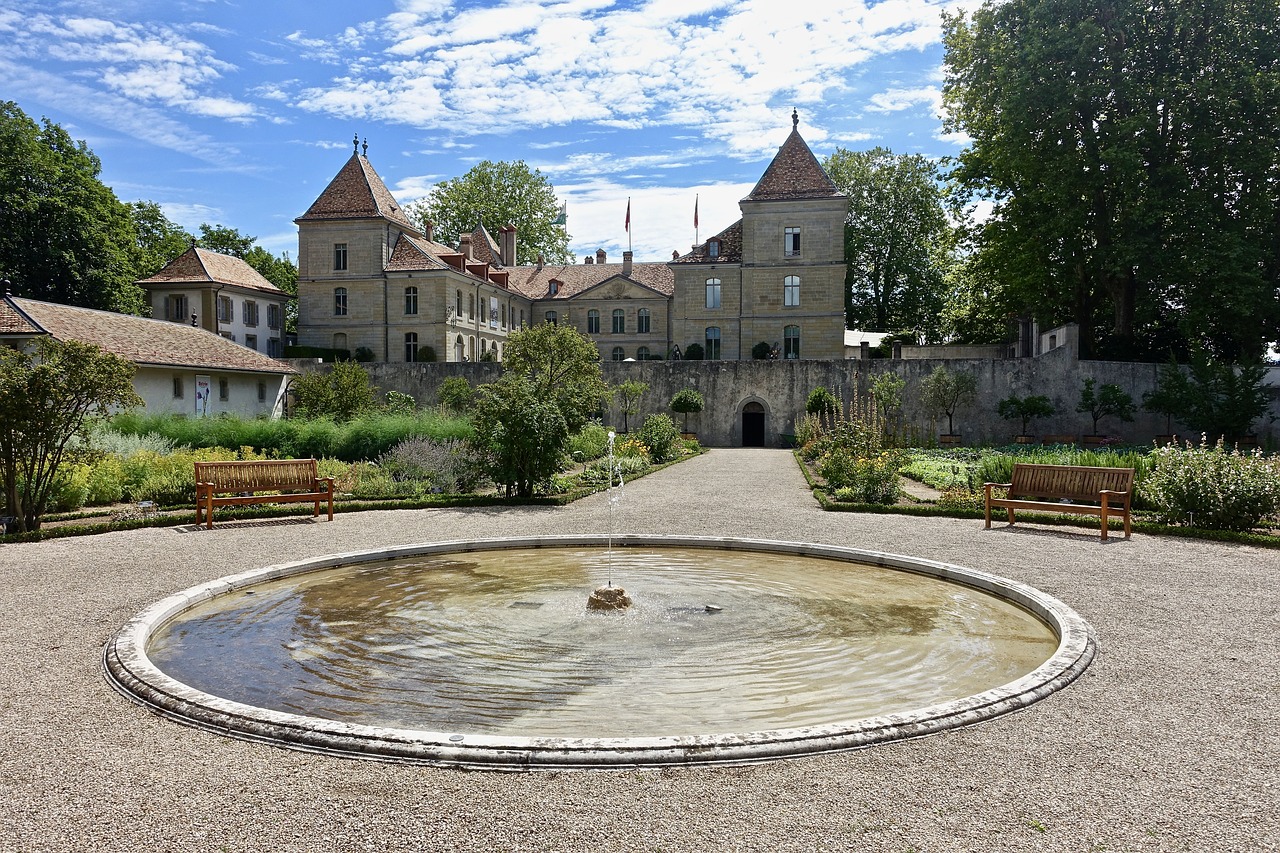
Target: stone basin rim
<point>130,671</point>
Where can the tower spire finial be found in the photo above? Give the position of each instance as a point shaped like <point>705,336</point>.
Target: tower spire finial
<point>355,144</point>
<point>365,147</point>
<point>795,118</point>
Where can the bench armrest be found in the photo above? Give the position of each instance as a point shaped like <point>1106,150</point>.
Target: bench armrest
<point>987,487</point>
<point>1113,492</point>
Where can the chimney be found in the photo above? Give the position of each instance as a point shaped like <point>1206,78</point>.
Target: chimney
<point>541,260</point>
<point>464,246</point>
<point>587,259</point>
<point>675,254</point>
<point>509,246</point>
<point>600,256</point>
<point>626,263</point>
<point>429,230</point>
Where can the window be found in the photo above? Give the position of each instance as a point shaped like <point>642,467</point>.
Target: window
<point>458,351</point>
<point>262,392</point>
<point>273,316</point>
<point>411,346</point>
<point>411,300</point>
<point>471,305</point>
<point>713,343</point>
<point>175,308</point>
<point>791,243</point>
<point>226,311</point>
<point>642,354</point>
<point>553,288</point>
<point>552,317</point>
<point>250,312</point>
<point>224,390</point>
<point>251,341</point>
<point>177,387</point>
<point>457,309</point>
<point>273,347</point>
<point>593,322</point>
<point>339,302</point>
<point>619,321</point>
<point>791,290</point>
<point>791,342</point>
<point>642,321</point>
<point>618,354</point>
<point>504,316</point>
<point>339,256</point>
<point>713,293</point>
<point>713,248</point>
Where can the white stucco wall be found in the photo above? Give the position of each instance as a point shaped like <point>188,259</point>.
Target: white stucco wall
<point>156,386</point>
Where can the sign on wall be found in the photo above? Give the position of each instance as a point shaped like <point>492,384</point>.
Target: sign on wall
<point>202,394</point>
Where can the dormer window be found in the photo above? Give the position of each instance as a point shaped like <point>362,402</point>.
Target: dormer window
<point>553,288</point>
<point>713,248</point>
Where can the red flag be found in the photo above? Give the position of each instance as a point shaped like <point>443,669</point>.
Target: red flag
<point>628,225</point>
<point>695,211</point>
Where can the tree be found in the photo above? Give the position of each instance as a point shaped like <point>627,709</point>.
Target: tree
<point>945,392</point>
<point>495,195</point>
<point>564,367</point>
<point>1108,401</point>
<point>520,432</point>
<point>158,239</point>
<point>685,402</point>
<point>629,394</point>
<point>456,394</point>
<point>895,241</point>
<point>342,393</point>
<point>48,399</point>
<point>64,236</point>
<point>1134,193</point>
<point>1216,399</point>
<point>1026,409</point>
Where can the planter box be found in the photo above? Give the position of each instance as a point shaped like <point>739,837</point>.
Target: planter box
<point>1094,440</point>
<point>1024,439</point>
<point>950,440</point>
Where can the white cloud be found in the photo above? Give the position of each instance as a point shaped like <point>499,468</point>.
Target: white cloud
<point>896,100</point>
<point>190,216</point>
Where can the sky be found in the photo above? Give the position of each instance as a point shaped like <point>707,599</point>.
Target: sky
<point>239,114</point>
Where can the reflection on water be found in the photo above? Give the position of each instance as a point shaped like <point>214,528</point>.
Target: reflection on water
<point>500,642</point>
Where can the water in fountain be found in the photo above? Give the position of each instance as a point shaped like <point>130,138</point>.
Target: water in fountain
<point>609,597</point>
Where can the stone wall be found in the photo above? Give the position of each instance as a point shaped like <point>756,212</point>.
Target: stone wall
<point>782,387</point>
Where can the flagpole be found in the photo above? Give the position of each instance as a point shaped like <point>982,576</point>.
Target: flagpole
<point>628,223</point>
<point>695,219</point>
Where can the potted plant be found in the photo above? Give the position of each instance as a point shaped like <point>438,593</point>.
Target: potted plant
<point>687,402</point>
<point>1026,409</point>
<point>1105,402</point>
<point>945,392</point>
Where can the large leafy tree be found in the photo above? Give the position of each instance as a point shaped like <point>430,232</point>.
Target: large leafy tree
<point>159,239</point>
<point>48,398</point>
<point>1132,152</point>
<point>64,236</point>
<point>495,195</point>
<point>564,367</point>
<point>896,241</point>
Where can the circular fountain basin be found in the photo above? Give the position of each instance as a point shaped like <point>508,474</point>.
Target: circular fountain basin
<point>483,653</point>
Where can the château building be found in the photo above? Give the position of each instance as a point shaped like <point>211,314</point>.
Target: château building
<point>371,279</point>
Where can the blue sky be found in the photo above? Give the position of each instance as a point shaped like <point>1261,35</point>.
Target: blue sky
<point>236,113</point>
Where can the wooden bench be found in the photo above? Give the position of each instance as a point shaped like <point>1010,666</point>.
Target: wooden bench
<point>1104,492</point>
<point>235,483</point>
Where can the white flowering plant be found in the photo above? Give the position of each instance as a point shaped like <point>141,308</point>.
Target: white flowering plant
<point>1213,487</point>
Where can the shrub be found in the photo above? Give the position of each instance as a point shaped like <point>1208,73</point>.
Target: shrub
<point>822,403</point>
<point>437,466</point>
<point>1211,487</point>
<point>456,394</point>
<point>624,466</point>
<point>960,498</point>
<point>400,404</point>
<point>761,350</point>
<point>342,393</point>
<point>1026,409</point>
<point>631,446</point>
<point>520,435</point>
<point>363,354</point>
<point>663,439</point>
<point>592,442</point>
<point>871,479</point>
<point>106,482</point>
<point>685,402</point>
<point>426,353</point>
<point>694,352</point>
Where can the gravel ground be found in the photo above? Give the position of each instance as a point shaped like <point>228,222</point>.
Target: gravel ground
<point>1168,742</point>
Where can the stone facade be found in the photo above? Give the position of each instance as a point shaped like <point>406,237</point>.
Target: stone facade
<point>358,255</point>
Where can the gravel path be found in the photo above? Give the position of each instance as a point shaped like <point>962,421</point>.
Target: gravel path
<point>1169,741</point>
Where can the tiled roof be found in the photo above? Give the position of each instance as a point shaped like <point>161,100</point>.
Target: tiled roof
<point>357,193</point>
<point>143,340</point>
<point>483,248</point>
<point>411,254</point>
<point>201,266</point>
<point>13,322</point>
<point>730,248</point>
<point>575,278</point>
<point>794,173</point>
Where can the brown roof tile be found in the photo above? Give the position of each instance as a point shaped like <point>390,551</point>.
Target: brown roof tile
<point>357,193</point>
<point>535,283</point>
<point>14,322</point>
<point>201,266</point>
<point>146,341</point>
<point>411,255</point>
<point>794,173</point>
<point>730,248</point>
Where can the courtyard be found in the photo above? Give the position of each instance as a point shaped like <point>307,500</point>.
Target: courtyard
<point>1167,742</point>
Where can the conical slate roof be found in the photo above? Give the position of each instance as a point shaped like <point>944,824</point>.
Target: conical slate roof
<point>794,172</point>
<point>357,193</point>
